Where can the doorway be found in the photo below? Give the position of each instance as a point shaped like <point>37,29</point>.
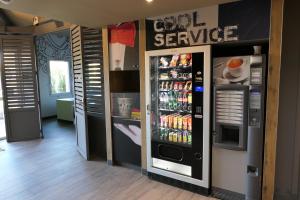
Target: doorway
<point>54,64</point>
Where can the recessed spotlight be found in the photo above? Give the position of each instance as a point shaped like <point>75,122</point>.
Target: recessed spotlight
<point>149,1</point>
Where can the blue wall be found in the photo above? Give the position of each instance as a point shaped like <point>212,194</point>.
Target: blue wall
<point>51,46</point>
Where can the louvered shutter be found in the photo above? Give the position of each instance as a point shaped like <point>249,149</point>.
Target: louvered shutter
<point>79,89</point>
<point>20,89</point>
<point>88,82</point>
<point>93,71</point>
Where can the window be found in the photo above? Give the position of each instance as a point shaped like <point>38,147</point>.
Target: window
<point>59,77</point>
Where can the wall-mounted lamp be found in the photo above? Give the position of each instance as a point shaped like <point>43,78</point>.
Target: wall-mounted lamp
<point>6,1</point>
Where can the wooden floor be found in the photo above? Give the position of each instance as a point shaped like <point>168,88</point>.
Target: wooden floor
<point>2,126</point>
<point>52,169</point>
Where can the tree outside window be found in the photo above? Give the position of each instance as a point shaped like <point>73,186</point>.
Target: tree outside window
<point>59,77</point>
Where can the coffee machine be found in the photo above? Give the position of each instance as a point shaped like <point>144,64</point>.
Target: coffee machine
<point>238,125</point>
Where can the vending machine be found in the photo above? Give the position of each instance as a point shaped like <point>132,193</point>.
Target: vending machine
<point>178,115</point>
<point>239,83</point>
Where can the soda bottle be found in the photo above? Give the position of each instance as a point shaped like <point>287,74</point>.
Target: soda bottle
<point>175,101</point>
<point>162,120</point>
<point>174,137</point>
<point>175,121</point>
<point>166,135</point>
<point>184,137</point>
<point>166,100</point>
<point>166,121</point>
<point>179,136</point>
<point>170,136</point>
<point>189,138</point>
<point>189,123</point>
<point>161,100</point>
<point>171,99</point>
<point>184,102</point>
<point>162,134</point>
<point>179,121</point>
<point>171,118</point>
<point>179,101</point>
<point>189,98</point>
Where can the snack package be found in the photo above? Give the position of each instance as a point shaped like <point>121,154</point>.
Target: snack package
<point>166,86</point>
<point>174,74</point>
<point>180,85</point>
<point>191,62</point>
<point>164,62</point>
<point>162,85</point>
<point>184,59</point>
<point>175,87</point>
<point>188,86</point>
<point>164,76</point>
<point>174,61</point>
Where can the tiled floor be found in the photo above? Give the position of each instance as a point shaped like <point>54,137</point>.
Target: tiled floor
<point>51,168</point>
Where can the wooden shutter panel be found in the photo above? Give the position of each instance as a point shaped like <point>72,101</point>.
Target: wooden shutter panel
<point>19,73</point>
<point>93,71</point>
<point>88,83</point>
<point>78,69</point>
<point>21,103</point>
<point>88,70</point>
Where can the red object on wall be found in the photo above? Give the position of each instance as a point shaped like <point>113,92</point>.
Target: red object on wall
<point>124,33</point>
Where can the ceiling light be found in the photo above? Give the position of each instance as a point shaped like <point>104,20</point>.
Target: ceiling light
<point>149,1</point>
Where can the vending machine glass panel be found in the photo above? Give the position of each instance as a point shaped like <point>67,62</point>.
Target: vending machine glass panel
<point>179,83</point>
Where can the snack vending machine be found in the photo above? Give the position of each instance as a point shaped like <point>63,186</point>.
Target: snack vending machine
<point>178,115</point>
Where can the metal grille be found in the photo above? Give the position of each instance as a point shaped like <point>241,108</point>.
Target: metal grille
<point>19,78</point>
<point>229,106</point>
<point>77,68</point>
<point>93,70</point>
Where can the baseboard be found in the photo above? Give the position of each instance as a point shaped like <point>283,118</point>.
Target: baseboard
<point>144,172</point>
<point>128,165</point>
<point>49,117</point>
<point>180,184</point>
<point>285,196</point>
<point>226,194</point>
<point>23,139</point>
<point>110,162</point>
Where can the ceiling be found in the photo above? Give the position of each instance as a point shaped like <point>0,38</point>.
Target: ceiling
<point>96,13</point>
